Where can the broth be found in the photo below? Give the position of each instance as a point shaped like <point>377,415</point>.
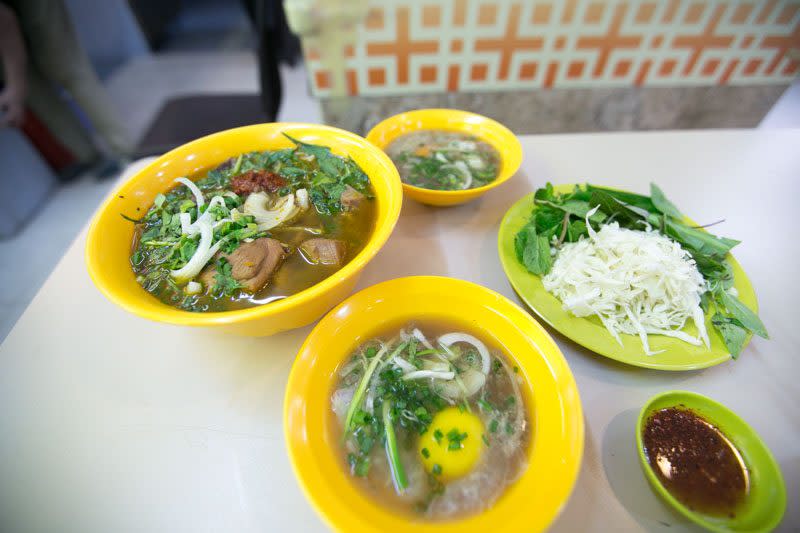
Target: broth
<point>696,462</point>
<point>459,445</point>
<point>282,221</point>
<point>444,160</point>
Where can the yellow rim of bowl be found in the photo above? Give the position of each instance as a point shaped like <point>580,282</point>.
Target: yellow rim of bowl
<point>488,130</point>
<point>555,448</point>
<point>383,228</point>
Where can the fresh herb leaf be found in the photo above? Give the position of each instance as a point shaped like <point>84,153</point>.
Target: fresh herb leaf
<point>224,282</point>
<point>733,333</point>
<point>662,204</point>
<point>533,250</point>
<point>742,313</point>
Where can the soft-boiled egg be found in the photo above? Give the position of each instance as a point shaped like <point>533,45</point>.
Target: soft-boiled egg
<point>452,445</point>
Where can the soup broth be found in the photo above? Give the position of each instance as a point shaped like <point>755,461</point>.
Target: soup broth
<point>258,228</point>
<point>444,160</point>
<point>425,431</point>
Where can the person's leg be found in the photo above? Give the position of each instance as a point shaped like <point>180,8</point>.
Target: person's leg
<point>44,100</point>
<point>55,50</point>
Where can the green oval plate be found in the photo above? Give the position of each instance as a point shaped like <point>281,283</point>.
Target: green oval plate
<point>588,331</point>
<point>765,504</point>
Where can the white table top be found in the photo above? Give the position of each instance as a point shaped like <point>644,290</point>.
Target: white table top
<point>109,422</point>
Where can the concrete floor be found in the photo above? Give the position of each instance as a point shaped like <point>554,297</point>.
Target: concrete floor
<point>140,88</point>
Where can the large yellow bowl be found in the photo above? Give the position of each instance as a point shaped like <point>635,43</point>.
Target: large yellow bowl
<point>486,129</point>
<point>108,245</point>
<point>556,447</point>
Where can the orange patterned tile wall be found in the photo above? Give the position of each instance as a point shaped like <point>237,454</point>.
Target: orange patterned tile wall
<point>423,46</point>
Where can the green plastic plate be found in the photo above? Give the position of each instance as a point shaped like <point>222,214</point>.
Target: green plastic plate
<point>589,332</point>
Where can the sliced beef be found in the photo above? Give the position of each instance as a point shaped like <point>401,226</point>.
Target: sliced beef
<point>351,199</point>
<point>252,264</point>
<point>256,181</point>
<point>324,251</point>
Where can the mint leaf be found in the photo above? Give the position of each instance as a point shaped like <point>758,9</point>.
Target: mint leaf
<point>533,250</point>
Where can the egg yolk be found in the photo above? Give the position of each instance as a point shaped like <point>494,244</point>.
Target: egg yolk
<point>452,445</point>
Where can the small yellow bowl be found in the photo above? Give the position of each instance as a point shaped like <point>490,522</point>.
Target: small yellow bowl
<point>486,129</point>
<point>108,245</point>
<point>551,396</point>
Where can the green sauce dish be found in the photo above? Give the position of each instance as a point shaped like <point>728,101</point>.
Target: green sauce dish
<point>762,498</point>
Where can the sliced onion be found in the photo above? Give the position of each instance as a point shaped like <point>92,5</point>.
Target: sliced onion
<point>404,365</point>
<point>201,256</point>
<point>256,205</point>
<point>422,374</point>
<point>471,382</point>
<point>460,165</point>
<point>302,198</point>
<point>421,338</point>
<point>427,364</point>
<point>193,267</point>
<point>198,194</point>
<point>449,339</point>
<point>186,223</point>
<point>204,219</point>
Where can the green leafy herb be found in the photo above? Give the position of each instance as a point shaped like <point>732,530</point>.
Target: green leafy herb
<point>558,218</point>
<point>733,333</point>
<point>662,204</point>
<point>436,469</point>
<point>742,313</point>
<point>224,282</point>
<point>425,453</point>
<point>533,250</point>
<point>438,435</point>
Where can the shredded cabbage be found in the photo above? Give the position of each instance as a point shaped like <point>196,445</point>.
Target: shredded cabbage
<point>635,282</point>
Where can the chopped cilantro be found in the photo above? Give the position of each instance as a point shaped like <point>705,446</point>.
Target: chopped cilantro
<point>224,282</point>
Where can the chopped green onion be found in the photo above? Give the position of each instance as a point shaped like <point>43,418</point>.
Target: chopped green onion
<point>398,473</point>
<point>358,396</point>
